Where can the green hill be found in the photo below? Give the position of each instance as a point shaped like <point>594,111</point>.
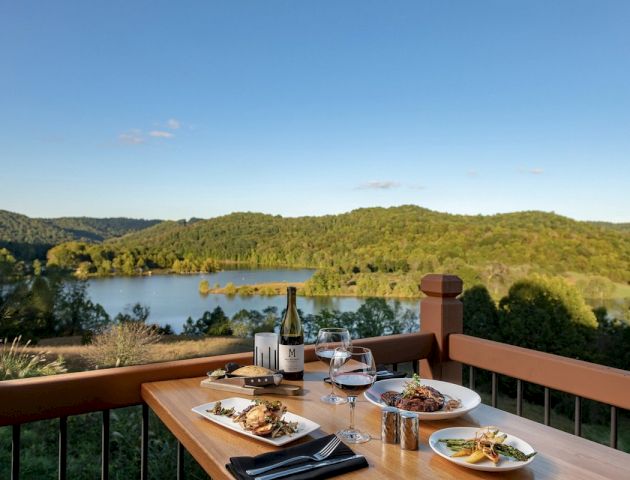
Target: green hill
<point>620,227</point>
<point>30,238</point>
<point>98,229</point>
<point>390,241</point>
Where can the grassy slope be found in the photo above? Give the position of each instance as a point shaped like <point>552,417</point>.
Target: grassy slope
<point>169,348</point>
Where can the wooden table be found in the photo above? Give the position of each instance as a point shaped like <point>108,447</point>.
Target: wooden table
<point>561,455</point>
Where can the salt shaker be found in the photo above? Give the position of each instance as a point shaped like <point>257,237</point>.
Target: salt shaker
<point>389,424</point>
<point>409,431</point>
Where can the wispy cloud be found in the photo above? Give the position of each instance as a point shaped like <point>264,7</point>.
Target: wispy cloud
<point>136,136</point>
<point>472,173</point>
<point>532,171</point>
<point>131,137</point>
<point>379,185</point>
<point>415,186</point>
<point>160,134</point>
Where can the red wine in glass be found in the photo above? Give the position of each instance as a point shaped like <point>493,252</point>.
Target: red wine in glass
<point>354,383</point>
<point>352,369</point>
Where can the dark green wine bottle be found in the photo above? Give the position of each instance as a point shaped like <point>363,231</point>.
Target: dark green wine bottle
<point>291,348</point>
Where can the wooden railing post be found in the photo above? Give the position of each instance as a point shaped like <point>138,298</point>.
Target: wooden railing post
<point>441,314</point>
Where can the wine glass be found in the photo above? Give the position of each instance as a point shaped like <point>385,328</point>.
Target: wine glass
<point>328,339</point>
<point>352,369</point>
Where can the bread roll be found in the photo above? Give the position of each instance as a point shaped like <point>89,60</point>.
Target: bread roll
<point>252,371</point>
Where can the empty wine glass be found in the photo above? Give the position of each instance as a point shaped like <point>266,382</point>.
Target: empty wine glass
<point>328,339</point>
<point>352,369</point>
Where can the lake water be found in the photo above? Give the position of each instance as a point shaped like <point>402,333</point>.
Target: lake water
<point>173,298</point>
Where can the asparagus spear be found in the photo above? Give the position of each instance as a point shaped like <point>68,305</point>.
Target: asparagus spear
<point>457,444</point>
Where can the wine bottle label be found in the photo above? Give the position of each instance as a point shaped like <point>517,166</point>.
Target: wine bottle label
<point>291,357</point>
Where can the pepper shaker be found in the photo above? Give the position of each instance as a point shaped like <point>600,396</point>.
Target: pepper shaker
<point>390,421</point>
<point>409,431</point>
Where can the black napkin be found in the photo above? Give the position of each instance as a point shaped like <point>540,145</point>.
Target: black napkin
<point>238,465</point>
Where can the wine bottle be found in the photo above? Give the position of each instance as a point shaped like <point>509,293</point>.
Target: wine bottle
<point>291,347</point>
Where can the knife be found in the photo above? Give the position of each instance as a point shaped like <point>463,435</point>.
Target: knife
<point>261,381</point>
<point>304,468</point>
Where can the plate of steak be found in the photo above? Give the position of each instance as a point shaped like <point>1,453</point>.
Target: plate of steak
<point>431,399</point>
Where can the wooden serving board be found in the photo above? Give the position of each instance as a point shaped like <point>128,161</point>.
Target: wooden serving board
<point>282,389</point>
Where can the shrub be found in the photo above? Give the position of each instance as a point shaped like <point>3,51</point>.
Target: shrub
<point>230,289</point>
<point>17,362</point>
<point>126,343</point>
<point>204,287</point>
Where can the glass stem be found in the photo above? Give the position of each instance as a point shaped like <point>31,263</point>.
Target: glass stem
<point>352,400</point>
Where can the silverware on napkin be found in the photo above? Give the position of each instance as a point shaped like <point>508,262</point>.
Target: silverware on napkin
<point>304,468</point>
<point>322,454</point>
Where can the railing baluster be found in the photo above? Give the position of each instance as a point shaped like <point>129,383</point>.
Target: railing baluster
<point>63,447</point>
<point>519,397</point>
<point>395,367</point>
<point>494,389</point>
<point>180,461</point>
<point>577,429</point>
<point>471,377</point>
<point>613,426</point>
<point>144,446</point>
<point>15,452</point>
<point>547,407</point>
<point>105,446</point>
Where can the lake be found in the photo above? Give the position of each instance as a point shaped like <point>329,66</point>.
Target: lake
<point>173,298</point>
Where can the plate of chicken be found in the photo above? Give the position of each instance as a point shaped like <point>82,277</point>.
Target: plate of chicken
<point>430,399</point>
<point>264,420</point>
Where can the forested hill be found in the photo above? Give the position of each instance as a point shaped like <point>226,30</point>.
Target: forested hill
<point>621,227</point>
<point>29,237</point>
<point>400,239</point>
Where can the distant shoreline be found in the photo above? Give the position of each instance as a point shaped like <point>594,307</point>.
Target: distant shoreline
<point>280,288</point>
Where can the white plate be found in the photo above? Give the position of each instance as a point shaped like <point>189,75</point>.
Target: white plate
<point>504,465</point>
<point>305,426</point>
<point>469,398</point>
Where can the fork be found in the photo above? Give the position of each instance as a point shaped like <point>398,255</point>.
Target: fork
<point>321,455</point>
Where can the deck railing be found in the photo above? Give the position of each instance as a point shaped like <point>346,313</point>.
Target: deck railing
<point>439,350</point>
<point>452,349</point>
<point>61,396</point>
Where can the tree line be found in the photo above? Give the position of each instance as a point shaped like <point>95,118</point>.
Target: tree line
<point>371,252</point>
<point>372,319</point>
<point>30,238</point>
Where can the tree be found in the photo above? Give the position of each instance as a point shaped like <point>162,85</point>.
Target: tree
<point>549,315</point>
<point>204,287</point>
<point>75,313</point>
<point>190,328</point>
<point>246,323</point>
<point>214,323</point>
<point>138,313</point>
<point>373,319</point>
<point>481,317</point>
<point>229,289</point>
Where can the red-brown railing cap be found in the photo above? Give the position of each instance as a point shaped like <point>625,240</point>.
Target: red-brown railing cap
<point>438,285</point>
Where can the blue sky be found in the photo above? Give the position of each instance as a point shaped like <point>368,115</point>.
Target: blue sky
<point>179,109</point>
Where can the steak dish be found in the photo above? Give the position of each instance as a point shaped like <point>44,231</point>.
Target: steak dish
<point>416,397</point>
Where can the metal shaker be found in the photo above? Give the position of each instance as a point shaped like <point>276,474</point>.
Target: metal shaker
<point>389,425</point>
<point>409,431</point>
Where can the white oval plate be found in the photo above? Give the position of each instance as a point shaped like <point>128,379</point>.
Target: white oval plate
<point>305,426</point>
<point>469,398</point>
<point>504,465</point>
